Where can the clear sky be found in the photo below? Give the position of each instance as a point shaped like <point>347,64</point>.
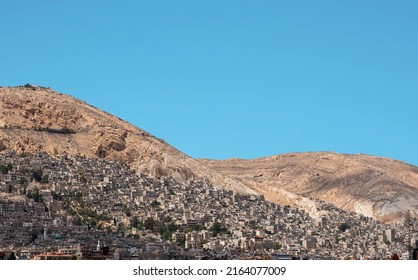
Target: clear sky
<point>220,79</point>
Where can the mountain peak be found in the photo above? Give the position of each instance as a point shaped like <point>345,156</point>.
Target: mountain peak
<point>39,119</point>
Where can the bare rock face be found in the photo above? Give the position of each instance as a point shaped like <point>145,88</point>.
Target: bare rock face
<point>26,144</point>
<point>2,145</point>
<point>376,187</point>
<point>34,119</point>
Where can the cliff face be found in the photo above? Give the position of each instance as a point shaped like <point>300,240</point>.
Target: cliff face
<point>36,119</point>
<point>376,187</point>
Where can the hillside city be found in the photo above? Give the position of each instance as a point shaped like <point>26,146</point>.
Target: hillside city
<point>72,207</point>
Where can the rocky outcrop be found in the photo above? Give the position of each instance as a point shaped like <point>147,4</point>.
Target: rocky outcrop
<point>373,186</point>
<point>34,119</point>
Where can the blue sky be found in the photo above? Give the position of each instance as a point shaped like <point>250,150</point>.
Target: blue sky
<point>221,79</point>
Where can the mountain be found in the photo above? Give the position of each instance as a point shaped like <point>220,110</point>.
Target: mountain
<point>38,119</point>
<point>376,187</point>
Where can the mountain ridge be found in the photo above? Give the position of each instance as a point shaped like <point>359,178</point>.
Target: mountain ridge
<point>34,119</point>
<point>373,186</point>
<point>30,112</point>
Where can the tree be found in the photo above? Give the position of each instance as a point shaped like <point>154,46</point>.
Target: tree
<point>23,181</point>
<point>127,211</point>
<point>34,236</point>
<point>135,222</point>
<point>155,204</point>
<point>37,175</point>
<point>34,194</point>
<point>166,235</point>
<point>181,242</point>
<point>121,227</point>
<point>217,228</point>
<point>4,169</point>
<point>277,246</point>
<point>343,227</point>
<point>149,223</point>
<point>78,196</point>
<point>83,179</point>
<point>172,227</point>
<point>45,179</point>
<point>57,196</point>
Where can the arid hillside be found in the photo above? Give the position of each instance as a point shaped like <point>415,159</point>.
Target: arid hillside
<point>36,119</point>
<point>373,186</point>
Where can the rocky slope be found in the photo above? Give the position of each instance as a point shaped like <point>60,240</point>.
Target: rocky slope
<point>36,119</point>
<point>373,186</point>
